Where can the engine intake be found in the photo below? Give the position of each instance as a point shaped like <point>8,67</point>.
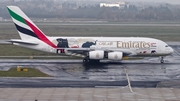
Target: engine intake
<point>97,55</point>
<point>115,55</point>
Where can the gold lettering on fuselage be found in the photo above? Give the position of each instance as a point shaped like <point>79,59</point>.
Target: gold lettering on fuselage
<point>133,44</point>
<point>125,44</point>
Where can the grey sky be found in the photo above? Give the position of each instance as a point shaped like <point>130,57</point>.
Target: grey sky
<point>168,1</point>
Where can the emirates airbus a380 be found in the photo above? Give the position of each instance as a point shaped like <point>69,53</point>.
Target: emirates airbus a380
<point>91,49</point>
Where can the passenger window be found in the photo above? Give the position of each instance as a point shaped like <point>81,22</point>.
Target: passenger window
<point>166,46</point>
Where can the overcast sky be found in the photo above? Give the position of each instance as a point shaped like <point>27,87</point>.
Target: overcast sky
<point>168,1</point>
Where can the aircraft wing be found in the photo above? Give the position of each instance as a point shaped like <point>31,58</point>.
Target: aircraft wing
<point>84,51</point>
<point>22,42</point>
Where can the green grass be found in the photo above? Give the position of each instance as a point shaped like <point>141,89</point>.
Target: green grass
<point>160,32</point>
<point>165,33</point>
<point>30,73</point>
<point>12,50</point>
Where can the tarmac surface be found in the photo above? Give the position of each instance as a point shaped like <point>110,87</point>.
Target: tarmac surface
<point>89,94</point>
<point>72,73</point>
<point>131,80</point>
<point>148,72</point>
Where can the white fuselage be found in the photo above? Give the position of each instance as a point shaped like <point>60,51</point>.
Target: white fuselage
<point>138,46</point>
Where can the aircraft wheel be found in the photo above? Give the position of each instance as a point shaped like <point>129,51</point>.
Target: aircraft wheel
<point>162,59</point>
<point>85,60</point>
<point>95,61</point>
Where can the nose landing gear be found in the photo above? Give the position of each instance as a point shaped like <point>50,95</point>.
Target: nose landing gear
<point>162,59</point>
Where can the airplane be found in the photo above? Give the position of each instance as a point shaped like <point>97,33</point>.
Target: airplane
<point>91,49</point>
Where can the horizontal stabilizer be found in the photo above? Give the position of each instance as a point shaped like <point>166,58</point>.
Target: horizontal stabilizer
<point>23,42</point>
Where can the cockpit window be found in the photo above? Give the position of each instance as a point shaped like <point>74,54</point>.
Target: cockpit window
<point>166,46</point>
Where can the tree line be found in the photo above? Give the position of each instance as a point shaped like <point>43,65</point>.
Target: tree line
<point>128,13</point>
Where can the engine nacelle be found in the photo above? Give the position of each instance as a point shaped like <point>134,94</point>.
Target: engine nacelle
<point>97,55</point>
<point>115,55</point>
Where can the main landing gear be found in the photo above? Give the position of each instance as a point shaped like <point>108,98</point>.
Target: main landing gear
<point>87,60</point>
<point>162,59</point>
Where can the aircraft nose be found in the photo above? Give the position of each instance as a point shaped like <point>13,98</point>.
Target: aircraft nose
<point>170,50</point>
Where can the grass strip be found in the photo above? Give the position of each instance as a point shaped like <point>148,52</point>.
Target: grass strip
<point>32,72</point>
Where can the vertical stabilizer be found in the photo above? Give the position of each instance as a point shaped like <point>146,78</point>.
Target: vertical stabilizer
<point>26,28</point>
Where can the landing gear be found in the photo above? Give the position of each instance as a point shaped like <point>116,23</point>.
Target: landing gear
<point>94,61</point>
<point>162,59</point>
<point>87,60</point>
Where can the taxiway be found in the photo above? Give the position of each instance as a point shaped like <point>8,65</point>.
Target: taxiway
<point>72,73</point>
<point>147,72</point>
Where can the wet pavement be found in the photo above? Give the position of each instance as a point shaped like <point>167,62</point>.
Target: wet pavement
<point>72,73</point>
<point>142,73</point>
<point>131,80</point>
<point>148,72</point>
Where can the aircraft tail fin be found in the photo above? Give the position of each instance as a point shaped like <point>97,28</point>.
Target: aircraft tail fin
<point>26,28</point>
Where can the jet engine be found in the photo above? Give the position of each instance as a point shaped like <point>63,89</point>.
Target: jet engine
<point>115,55</point>
<point>97,55</point>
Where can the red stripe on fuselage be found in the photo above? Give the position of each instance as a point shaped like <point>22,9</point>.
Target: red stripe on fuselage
<point>40,35</point>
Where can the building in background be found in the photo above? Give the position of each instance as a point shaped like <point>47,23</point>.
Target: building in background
<point>119,4</point>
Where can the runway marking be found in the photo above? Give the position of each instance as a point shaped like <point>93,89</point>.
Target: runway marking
<point>176,52</point>
<point>129,83</point>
